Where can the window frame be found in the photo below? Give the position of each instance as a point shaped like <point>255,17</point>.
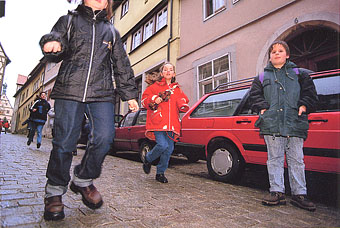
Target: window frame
<point>213,79</point>
<point>125,8</point>
<point>215,10</point>
<point>133,44</point>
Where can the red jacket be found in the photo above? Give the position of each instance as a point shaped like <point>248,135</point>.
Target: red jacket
<point>166,116</point>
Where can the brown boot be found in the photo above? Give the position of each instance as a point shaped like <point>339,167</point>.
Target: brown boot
<point>90,196</point>
<point>274,198</point>
<point>54,208</point>
<point>302,202</point>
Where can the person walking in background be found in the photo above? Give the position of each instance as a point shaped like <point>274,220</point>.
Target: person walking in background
<point>89,48</point>
<point>6,126</point>
<point>38,117</point>
<point>0,126</point>
<point>163,100</point>
<point>284,95</point>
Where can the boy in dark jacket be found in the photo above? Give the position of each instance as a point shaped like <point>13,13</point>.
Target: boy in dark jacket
<point>38,118</point>
<point>284,95</point>
<point>90,49</point>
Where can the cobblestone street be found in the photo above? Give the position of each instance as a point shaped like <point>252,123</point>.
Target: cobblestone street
<point>134,199</point>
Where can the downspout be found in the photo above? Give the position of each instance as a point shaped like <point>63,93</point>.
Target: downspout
<point>171,24</point>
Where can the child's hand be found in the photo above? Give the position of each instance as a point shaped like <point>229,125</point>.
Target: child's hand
<point>302,109</point>
<point>262,111</point>
<point>158,100</point>
<point>52,46</point>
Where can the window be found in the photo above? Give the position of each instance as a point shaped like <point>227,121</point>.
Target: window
<point>212,74</point>
<point>328,90</point>
<point>212,7</point>
<point>162,18</point>
<point>219,105</point>
<point>125,7</point>
<point>148,30</point>
<point>129,119</point>
<point>136,39</point>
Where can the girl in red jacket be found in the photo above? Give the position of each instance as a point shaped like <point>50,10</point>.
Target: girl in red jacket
<point>163,100</point>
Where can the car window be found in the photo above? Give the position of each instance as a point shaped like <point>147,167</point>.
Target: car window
<point>141,120</point>
<point>328,90</point>
<point>128,119</point>
<point>219,105</point>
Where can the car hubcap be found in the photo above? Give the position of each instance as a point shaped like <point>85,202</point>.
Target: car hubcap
<point>221,161</point>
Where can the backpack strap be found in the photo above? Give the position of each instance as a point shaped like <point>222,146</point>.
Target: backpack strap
<point>261,75</point>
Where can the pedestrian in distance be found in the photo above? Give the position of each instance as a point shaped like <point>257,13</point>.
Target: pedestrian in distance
<point>164,100</point>
<point>6,126</point>
<point>38,117</point>
<point>284,95</point>
<point>90,49</point>
<point>0,126</point>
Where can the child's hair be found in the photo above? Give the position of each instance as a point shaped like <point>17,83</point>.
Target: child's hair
<point>153,77</point>
<point>162,67</point>
<point>108,8</point>
<point>281,42</point>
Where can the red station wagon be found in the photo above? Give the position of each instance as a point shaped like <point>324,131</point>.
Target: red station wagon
<point>221,124</point>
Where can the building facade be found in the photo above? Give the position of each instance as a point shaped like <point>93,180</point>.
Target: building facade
<point>27,94</point>
<point>150,33</point>
<point>225,40</point>
<point>6,110</point>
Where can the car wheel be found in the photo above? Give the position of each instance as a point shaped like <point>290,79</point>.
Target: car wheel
<point>145,147</point>
<point>224,162</point>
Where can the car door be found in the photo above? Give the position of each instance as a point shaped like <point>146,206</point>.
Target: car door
<point>137,131</point>
<point>122,138</point>
<point>322,146</point>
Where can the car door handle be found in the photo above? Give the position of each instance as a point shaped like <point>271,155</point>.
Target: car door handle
<point>310,121</point>
<point>243,121</point>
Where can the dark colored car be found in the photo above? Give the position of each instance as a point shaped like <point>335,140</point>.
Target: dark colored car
<point>130,136</point>
<point>221,124</point>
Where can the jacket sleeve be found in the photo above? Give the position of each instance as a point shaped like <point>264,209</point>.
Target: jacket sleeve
<point>148,97</point>
<point>59,34</point>
<point>123,73</point>
<point>308,94</point>
<point>182,102</point>
<point>257,96</point>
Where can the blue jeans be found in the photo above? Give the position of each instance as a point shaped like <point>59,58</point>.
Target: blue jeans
<point>277,148</point>
<point>163,150</point>
<point>34,126</point>
<point>67,126</point>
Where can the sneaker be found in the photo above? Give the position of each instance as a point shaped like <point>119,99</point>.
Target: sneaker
<point>161,178</point>
<point>301,201</point>
<point>29,142</point>
<point>38,145</point>
<point>274,198</point>
<point>146,166</point>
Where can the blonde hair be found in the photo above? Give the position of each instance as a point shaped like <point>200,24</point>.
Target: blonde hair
<point>173,79</point>
<point>153,77</point>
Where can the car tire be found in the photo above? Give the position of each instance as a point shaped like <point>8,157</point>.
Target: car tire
<point>145,147</point>
<point>224,163</point>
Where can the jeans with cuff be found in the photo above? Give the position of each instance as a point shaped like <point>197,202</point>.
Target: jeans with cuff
<point>163,150</point>
<point>293,148</point>
<point>67,127</point>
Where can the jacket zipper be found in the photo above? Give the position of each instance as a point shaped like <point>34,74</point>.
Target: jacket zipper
<point>91,57</point>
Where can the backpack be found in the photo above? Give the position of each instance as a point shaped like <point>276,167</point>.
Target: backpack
<point>261,75</point>
<point>69,29</point>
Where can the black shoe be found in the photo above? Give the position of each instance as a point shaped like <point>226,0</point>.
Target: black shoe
<point>301,201</point>
<point>274,198</point>
<point>161,178</point>
<point>146,166</point>
<point>38,145</point>
<point>54,208</point>
<point>29,142</point>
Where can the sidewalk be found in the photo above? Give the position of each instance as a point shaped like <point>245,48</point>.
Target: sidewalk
<point>134,199</point>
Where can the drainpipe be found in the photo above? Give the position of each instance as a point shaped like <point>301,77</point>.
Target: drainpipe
<point>170,36</point>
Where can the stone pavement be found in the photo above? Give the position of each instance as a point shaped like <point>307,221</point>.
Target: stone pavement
<point>134,199</point>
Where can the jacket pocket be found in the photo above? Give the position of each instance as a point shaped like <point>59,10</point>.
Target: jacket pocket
<point>156,117</point>
<point>267,121</point>
<point>302,122</point>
